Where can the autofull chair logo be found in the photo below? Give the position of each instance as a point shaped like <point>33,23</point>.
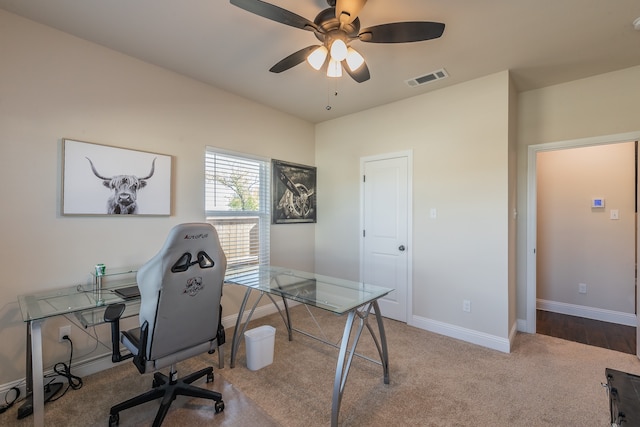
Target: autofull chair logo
<point>196,236</point>
<point>194,285</point>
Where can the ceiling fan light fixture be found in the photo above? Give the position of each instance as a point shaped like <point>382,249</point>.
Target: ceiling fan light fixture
<point>335,27</point>
<point>354,59</point>
<point>317,57</point>
<point>338,50</point>
<point>334,69</point>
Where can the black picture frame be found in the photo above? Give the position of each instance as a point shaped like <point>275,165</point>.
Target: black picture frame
<point>293,193</point>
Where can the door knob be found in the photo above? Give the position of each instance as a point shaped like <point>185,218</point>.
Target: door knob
<point>401,248</point>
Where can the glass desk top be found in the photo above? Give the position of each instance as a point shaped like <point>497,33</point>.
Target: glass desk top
<point>329,293</point>
<point>84,300</point>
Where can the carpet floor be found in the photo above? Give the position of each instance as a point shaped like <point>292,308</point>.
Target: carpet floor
<point>434,381</point>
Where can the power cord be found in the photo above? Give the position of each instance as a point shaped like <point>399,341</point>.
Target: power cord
<point>7,405</point>
<point>64,370</point>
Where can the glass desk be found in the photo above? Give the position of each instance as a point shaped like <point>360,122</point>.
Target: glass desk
<point>86,302</point>
<point>338,296</point>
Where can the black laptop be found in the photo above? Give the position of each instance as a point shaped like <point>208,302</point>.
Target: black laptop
<point>128,292</point>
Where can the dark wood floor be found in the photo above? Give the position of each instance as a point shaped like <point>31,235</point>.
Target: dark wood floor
<point>587,331</point>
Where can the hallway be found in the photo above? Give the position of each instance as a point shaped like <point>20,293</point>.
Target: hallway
<point>587,331</point>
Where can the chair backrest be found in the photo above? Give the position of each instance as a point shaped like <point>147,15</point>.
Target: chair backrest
<point>180,290</point>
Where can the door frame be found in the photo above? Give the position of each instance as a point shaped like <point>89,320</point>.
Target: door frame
<point>408,154</point>
<point>532,220</point>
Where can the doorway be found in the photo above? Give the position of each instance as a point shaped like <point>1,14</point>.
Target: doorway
<point>386,230</point>
<point>556,294</point>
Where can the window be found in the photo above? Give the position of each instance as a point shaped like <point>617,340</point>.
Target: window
<point>237,205</point>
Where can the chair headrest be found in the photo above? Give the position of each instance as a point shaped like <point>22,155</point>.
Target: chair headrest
<point>192,244</point>
<point>184,262</point>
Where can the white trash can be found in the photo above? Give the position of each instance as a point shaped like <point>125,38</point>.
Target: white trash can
<point>260,342</point>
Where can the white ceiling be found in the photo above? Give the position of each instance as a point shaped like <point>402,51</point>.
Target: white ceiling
<point>543,42</point>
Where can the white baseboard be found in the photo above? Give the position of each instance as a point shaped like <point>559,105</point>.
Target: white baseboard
<point>522,325</point>
<point>464,334</point>
<point>628,319</point>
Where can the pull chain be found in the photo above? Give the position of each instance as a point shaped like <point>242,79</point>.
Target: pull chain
<point>335,91</point>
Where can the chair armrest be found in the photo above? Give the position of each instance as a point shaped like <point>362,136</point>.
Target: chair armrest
<point>112,315</point>
<point>114,312</point>
<point>139,337</point>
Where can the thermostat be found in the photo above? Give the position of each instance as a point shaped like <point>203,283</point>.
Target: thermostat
<point>597,202</point>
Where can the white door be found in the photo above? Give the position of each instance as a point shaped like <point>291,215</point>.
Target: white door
<point>385,238</point>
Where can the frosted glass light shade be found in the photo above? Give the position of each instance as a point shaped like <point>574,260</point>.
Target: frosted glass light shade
<point>338,50</point>
<point>354,59</point>
<point>334,69</point>
<point>317,57</point>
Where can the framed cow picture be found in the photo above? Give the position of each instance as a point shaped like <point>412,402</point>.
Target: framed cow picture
<point>104,180</point>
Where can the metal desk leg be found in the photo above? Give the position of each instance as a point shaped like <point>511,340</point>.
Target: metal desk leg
<point>287,321</point>
<point>342,370</point>
<point>382,346</point>
<point>234,341</point>
<point>35,330</point>
<point>344,362</point>
<point>220,356</point>
<point>238,331</point>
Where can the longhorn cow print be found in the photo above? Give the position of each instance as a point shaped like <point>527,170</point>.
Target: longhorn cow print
<point>124,199</point>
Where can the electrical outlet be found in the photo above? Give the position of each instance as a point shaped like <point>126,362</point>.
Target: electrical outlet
<point>466,306</point>
<point>64,330</point>
<point>582,288</point>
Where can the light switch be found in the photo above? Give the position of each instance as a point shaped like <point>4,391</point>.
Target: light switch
<point>613,214</point>
<point>433,213</point>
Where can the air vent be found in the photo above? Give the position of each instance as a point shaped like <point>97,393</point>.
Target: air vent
<point>428,78</point>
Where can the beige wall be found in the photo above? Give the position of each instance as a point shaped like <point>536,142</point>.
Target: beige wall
<point>55,86</point>
<point>580,244</point>
<point>580,110</point>
<point>460,142</point>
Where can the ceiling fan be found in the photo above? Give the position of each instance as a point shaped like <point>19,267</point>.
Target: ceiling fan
<point>336,27</point>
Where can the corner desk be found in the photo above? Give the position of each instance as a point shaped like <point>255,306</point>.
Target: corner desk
<point>335,295</point>
<point>87,304</point>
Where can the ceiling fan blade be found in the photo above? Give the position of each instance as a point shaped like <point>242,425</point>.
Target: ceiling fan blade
<point>348,10</point>
<point>360,75</point>
<point>275,13</point>
<point>402,32</point>
<point>293,59</point>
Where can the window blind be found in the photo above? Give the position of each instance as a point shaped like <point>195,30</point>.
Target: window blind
<point>237,205</point>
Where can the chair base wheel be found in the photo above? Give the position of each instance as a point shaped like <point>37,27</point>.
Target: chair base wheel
<point>219,406</point>
<point>114,420</point>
